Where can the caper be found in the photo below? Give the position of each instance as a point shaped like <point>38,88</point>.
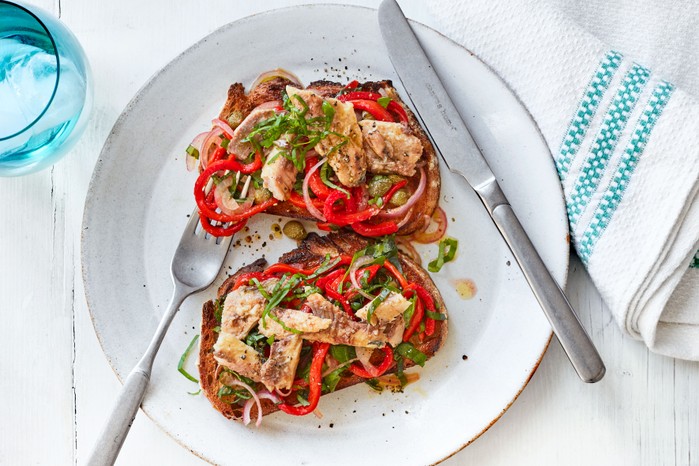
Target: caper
<point>235,119</point>
<point>400,197</point>
<point>379,185</point>
<point>261,195</point>
<point>395,179</point>
<point>294,230</point>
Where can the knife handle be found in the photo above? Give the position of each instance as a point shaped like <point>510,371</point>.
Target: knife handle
<point>564,322</point>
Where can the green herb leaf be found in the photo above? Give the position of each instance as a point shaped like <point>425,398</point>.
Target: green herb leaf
<point>343,353</point>
<point>325,178</point>
<point>447,251</point>
<point>331,380</point>
<point>194,393</point>
<point>376,302</point>
<point>408,313</point>
<point>383,101</point>
<point>218,308</point>
<point>191,150</point>
<point>302,400</point>
<point>436,315</point>
<point>183,359</point>
<point>408,351</point>
<point>374,384</point>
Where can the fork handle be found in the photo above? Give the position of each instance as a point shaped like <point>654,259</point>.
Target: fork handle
<point>107,447</point>
<point>123,414</point>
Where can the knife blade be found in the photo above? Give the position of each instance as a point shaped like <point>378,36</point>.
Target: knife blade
<point>452,140</point>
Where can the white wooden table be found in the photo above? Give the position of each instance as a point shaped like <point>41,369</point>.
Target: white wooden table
<point>57,387</point>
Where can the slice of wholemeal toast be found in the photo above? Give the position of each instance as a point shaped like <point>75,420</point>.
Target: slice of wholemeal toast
<point>239,105</point>
<point>312,252</point>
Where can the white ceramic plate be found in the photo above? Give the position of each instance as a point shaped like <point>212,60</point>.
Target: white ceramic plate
<point>140,196</point>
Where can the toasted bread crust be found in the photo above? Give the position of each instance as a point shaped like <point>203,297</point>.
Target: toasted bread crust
<point>310,252</point>
<point>243,104</point>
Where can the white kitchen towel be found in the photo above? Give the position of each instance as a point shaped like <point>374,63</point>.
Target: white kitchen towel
<point>625,142</point>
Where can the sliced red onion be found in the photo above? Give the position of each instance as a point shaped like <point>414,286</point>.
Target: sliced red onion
<point>283,393</point>
<point>307,196</point>
<point>223,125</point>
<point>267,395</point>
<point>424,236</point>
<point>210,139</point>
<point>196,143</point>
<point>279,72</point>
<point>405,219</point>
<point>225,201</point>
<point>344,364</point>
<point>400,211</point>
<point>248,405</point>
<point>364,356</point>
<point>360,262</point>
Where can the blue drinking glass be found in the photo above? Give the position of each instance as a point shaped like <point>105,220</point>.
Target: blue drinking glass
<point>45,89</point>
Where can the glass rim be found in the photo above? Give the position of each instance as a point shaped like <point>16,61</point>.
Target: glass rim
<point>58,69</point>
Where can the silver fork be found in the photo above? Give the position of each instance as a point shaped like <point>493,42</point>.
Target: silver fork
<point>197,262</point>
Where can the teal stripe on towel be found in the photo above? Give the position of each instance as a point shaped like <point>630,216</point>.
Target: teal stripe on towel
<point>586,111</point>
<point>605,143</point>
<point>622,176</point>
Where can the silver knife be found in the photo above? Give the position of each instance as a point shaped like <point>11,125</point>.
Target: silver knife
<point>462,156</point>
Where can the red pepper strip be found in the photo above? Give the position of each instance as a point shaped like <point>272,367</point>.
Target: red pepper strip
<point>322,281</point>
<point>315,382</point>
<point>374,108</point>
<point>325,226</point>
<point>219,154</point>
<point>393,190</point>
<point>372,269</point>
<point>414,320</point>
<point>430,325</point>
<point>297,200</point>
<point>317,186</point>
<point>424,295</point>
<point>338,297</point>
<point>211,200</point>
<point>245,278</point>
<point>283,268</point>
<point>358,369</point>
<point>220,230</point>
<point>399,276</point>
<point>395,107</point>
<point>421,336</point>
<point>426,298</point>
<point>244,215</point>
<point>352,202</point>
<point>352,84</point>
<point>251,167</point>
<point>340,219</point>
<point>207,211</point>
<point>359,95</point>
<point>315,182</point>
<point>372,230</point>
<point>293,303</point>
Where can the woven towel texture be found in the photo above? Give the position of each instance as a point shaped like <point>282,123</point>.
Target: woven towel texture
<point>624,136</point>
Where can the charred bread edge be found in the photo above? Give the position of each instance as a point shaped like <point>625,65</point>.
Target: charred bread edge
<point>310,252</point>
